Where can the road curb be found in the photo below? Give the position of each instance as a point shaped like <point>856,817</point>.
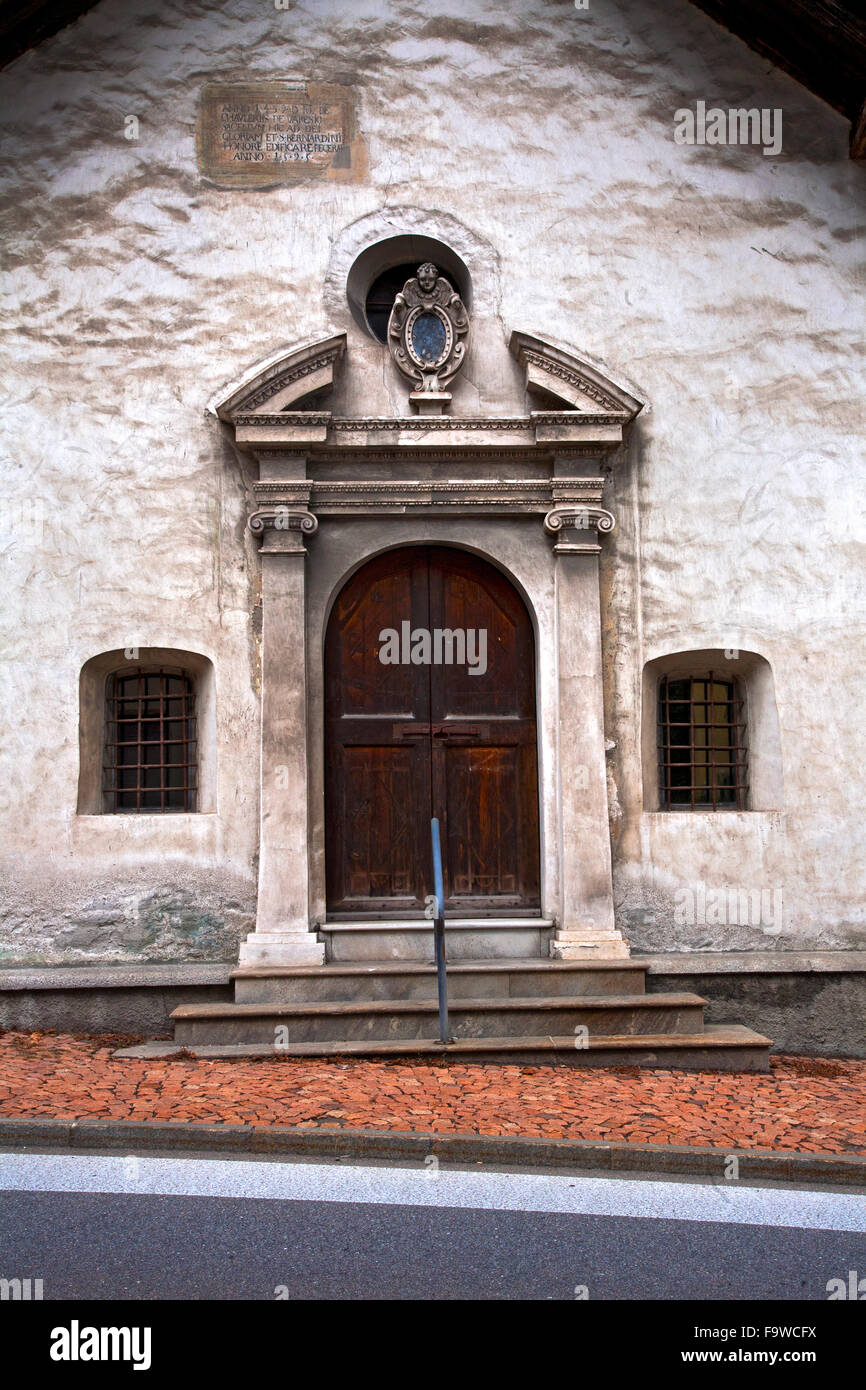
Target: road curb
<point>293,1141</point>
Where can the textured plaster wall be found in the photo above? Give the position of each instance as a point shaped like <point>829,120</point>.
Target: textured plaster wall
<point>717,284</point>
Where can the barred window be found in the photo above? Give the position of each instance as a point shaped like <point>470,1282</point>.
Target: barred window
<point>702,744</point>
<point>150,756</point>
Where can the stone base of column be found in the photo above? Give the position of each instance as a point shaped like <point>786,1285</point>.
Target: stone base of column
<point>282,948</point>
<point>588,943</point>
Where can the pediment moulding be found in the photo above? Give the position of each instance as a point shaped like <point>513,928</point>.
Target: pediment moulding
<point>561,373</point>
<point>281,380</point>
<point>262,407</point>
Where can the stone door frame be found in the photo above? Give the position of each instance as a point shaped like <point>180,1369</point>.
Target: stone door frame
<point>524,492</point>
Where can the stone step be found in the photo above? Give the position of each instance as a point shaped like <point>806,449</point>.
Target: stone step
<point>416,980</point>
<point>483,938</point>
<point>720,1047</point>
<point>373,1020</point>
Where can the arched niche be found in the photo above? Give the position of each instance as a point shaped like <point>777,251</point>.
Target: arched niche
<point>754,677</point>
<point>92,712</point>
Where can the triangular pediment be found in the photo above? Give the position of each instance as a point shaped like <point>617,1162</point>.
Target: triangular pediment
<point>557,371</point>
<point>283,380</point>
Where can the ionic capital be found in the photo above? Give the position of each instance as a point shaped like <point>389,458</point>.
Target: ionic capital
<point>564,522</point>
<point>283,528</point>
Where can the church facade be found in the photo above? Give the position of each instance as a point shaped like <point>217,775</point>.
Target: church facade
<point>418,416</point>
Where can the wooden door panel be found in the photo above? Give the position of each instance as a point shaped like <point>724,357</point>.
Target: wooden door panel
<point>489,812</point>
<point>377,780</point>
<point>366,686</point>
<point>467,594</point>
<point>482,820</point>
<point>378,849</point>
<point>404,742</point>
<point>485,779</point>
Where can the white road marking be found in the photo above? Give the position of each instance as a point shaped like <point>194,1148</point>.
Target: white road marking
<point>427,1186</point>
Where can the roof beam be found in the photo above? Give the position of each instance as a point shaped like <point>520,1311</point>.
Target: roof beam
<point>820,43</point>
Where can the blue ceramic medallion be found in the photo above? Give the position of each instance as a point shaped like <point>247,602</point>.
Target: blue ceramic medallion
<point>428,337</point>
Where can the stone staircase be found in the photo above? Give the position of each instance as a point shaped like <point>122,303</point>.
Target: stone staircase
<point>377,998</point>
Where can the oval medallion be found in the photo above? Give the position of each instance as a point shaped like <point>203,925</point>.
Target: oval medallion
<point>429,337</point>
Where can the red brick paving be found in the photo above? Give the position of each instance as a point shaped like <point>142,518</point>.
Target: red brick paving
<point>803,1104</point>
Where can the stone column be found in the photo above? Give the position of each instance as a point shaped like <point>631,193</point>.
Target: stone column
<point>586,928</point>
<point>282,935</point>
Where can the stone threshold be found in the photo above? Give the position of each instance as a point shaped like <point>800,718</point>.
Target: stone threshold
<point>495,965</point>
<point>160,975</point>
<point>452,924</point>
<point>751,962</point>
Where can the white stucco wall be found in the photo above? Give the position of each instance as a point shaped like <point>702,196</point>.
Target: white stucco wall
<point>716,283</point>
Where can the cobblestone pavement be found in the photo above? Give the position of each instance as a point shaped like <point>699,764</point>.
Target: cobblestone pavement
<point>804,1104</point>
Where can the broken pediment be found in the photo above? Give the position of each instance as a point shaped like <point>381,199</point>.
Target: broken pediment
<point>283,380</point>
<point>274,406</point>
<point>558,372</point>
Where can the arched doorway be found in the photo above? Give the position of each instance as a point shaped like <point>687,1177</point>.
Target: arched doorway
<point>430,710</point>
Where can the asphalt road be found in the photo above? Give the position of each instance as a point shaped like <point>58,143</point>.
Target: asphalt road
<point>162,1228</point>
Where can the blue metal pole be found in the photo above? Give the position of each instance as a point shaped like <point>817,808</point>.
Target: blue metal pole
<point>439,932</point>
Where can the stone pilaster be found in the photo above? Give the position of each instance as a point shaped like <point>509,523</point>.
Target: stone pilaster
<point>282,935</point>
<point>586,928</point>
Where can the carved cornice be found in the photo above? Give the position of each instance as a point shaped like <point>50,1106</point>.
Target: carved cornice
<point>574,378</point>
<point>573,491</point>
<point>415,424</point>
<point>559,430</point>
<point>378,497</point>
<point>294,492</point>
<point>282,380</point>
<point>289,418</point>
<point>288,378</point>
<point>560,500</point>
<point>561,372</point>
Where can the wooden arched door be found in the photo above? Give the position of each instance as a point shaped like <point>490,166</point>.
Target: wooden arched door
<point>413,731</point>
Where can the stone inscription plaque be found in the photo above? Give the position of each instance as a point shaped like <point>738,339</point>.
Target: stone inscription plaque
<point>257,134</point>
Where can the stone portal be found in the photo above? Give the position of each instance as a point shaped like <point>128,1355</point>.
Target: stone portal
<point>354,762</point>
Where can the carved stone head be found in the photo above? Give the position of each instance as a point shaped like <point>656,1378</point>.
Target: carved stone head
<point>427,275</point>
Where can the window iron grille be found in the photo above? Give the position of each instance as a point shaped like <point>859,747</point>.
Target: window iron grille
<point>150,759</point>
<point>703,761</point>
